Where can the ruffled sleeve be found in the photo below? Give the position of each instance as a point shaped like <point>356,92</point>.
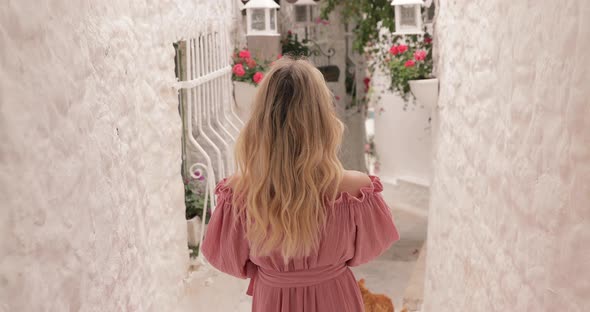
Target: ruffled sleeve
<point>374,227</point>
<point>225,245</point>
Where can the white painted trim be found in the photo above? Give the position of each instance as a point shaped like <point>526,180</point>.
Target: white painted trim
<point>203,79</point>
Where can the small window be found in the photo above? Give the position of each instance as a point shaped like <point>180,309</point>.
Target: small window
<point>408,17</point>
<point>258,22</point>
<point>301,14</point>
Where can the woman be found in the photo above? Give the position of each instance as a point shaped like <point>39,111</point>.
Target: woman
<point>292,219</point>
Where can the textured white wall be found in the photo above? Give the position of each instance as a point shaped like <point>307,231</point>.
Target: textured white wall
<point>92,215</point>
<point>510,213</point>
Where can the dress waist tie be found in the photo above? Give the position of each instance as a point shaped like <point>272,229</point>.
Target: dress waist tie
<point>301,278</point>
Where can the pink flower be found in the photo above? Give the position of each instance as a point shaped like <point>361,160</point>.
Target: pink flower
<point>280,56</point>
<point>337,98</point>
<point>239,70</point>
<point>251,63</point>
<point>245,54</point>
<point>428,40</point>
<point>394,50</point>
<point>410,63</point>
<point>257,77</point>
<point>402,48</point>
<point>420,55</point>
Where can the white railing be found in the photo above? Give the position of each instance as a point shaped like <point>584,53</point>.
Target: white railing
<point>211,124</point>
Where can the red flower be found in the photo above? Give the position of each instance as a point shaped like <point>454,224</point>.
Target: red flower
<point>251,63</point>
<point>289,32</point>
<point>420,55</point>
<point>402,48</point>
<point>394,50</point>
<point>239,70</point>
<point>367,82</point>
<point>410,63</point>
<point>257,77</point>
<point>428,40</point>
<point>245,54</point>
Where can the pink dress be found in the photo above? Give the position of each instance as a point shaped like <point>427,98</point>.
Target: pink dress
<point>358,229</point>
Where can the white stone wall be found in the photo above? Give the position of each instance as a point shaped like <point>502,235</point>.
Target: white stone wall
<point>510,213</point>
<point>92,212</point>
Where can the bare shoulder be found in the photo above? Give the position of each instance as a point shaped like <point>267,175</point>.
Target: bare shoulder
<point>353,181</point>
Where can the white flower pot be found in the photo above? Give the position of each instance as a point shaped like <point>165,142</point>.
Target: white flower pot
<point>244,93</point>
<point>193,228</point>
<point>425,91</point>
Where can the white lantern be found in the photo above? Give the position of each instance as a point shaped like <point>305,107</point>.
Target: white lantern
<point>261,17</point>
<point>304,12</point>
<point>408,17</point>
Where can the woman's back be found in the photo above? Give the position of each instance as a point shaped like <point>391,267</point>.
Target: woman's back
<point>358,228</point>
<point>295,220</point>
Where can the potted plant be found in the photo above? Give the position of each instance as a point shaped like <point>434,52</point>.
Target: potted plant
<point>410,67</point>
<point>247,72</point>
<point>292,46</point>
<point>194,200</point>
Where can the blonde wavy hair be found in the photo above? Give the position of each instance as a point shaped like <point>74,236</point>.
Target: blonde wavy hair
<point>288,168</point>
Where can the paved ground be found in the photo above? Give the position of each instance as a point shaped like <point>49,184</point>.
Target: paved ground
<point>389,274</point>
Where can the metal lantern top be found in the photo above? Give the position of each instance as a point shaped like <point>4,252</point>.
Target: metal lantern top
<point>261,17</point>
<point>261,4</point>
<point>305,2</point>
<point>408,17</point>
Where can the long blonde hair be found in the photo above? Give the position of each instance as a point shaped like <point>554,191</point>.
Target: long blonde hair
<point>287,161</point>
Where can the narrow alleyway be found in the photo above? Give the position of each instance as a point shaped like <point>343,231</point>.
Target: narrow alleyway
<point>97,96</point>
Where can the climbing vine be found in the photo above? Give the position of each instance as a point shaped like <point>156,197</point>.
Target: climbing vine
<point>368,16</point>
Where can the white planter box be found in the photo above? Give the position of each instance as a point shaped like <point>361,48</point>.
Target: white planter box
<point>403,141</point>
<point>193,228</point>
<point>244,93</point>
<point>425,91</point>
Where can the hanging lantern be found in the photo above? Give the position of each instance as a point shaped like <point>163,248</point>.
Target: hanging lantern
<point>408,17</point>
<point>261,17</point>
<point>304,11</point>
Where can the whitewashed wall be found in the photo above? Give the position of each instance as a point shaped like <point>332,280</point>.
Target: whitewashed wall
<point>92,215</point>
<point>510,213</point>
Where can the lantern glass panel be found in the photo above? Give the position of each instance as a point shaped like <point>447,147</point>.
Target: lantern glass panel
<point>408,17</point>
<point>258,20</point>
<point>273,19</point>
<point>301,14</point>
